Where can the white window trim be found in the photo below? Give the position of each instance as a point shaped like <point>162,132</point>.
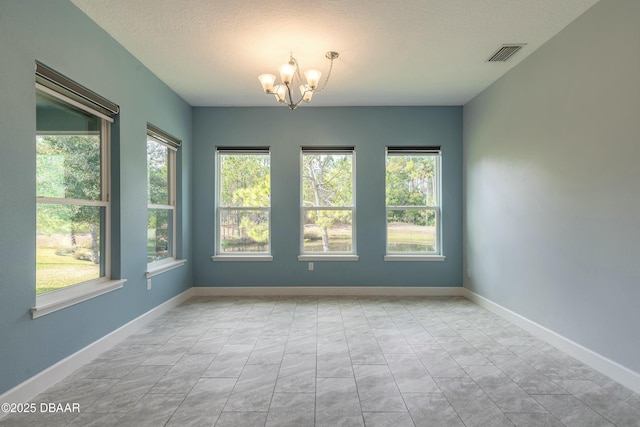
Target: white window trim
<point>329,256</point>
<point>437,254</point>
<point>412,257</point>
<point>159,267</point>
<point>251,256</point>
<point>154,266</point>
<point>239,256</point>
<point>56,300</point>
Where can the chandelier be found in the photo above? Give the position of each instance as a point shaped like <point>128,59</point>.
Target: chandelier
<point>290,76</point>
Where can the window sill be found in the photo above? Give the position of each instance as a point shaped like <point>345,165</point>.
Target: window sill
<point>161,267</point>
<point>414,257</point>
<point>57,300</point>
<point>308,257</point>
<point>266,258</point>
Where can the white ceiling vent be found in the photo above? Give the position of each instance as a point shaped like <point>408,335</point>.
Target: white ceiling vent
<point>505,52</point>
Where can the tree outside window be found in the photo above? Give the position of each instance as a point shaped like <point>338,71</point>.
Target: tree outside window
<point>243,201</point>
<point>161,200</point>
<point>72,204</point>
<point>327,200</point>
<point>413,200</point>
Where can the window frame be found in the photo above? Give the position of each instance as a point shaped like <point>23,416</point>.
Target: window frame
<point>238,256</point>
<point>171,195</point>
<point>173,146</point>
<point>334,255</point>
<point>437,254</point>
<point>58,299</point>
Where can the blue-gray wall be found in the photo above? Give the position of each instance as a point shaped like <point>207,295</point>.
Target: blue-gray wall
<point>59,35</point>
<point>552,184</point>
<point>550,170</point>
<point>369,129</point>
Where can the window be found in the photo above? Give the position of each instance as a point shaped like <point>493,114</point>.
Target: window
<point>328,190</point>
<point>161,197</point>
<point>413,201</point>
<point>72,188</point>
<point>72,209</point>
<point>243,200</point>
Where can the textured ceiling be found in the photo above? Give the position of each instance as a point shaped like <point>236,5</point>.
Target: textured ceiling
<point>402,52</point>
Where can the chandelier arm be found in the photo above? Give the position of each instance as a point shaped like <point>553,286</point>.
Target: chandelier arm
<point>292,105</point>
<point>290,94</point>
<point>287,97</point>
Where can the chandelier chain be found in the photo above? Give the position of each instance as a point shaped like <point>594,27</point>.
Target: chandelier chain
<point>295,63</point>
<point>318,90</point>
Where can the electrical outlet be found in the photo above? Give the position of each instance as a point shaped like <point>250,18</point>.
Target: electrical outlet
<point>148,284</point>
<point>310,266</point>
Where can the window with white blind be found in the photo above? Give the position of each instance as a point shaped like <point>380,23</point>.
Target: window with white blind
<point>73,203</point>
<point>243,204</point>
<point>413,203</point>
<point>162,150</point>
<point>328,203</point>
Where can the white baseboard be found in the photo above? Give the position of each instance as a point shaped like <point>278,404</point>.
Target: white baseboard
<point>34,385</point>
<point>327,291</point>
<point>28,389</point>
<point>608,367</point>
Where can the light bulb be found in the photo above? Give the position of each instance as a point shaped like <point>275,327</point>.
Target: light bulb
<point>286,73</point>
<point>306,93</point>
<point>313,78</point>
<point>281,93</point>
<point>267,81</point>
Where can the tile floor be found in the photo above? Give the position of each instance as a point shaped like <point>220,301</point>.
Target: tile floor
<point>335,361</point>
